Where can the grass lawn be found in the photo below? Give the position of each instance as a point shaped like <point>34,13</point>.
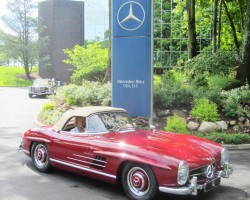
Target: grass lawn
<point>14,76</point>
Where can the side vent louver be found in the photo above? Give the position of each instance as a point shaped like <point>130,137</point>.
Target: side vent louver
<point>98,162</point>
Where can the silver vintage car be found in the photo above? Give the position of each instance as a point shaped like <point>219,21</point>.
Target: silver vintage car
<point>42,87</point>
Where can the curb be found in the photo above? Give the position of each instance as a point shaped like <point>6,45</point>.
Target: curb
<point>36,121</point>
<point>237,147</point>
<point>228,146</point>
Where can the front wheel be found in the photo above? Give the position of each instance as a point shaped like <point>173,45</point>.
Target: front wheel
<point>40,157</point>
<point>139,182</point>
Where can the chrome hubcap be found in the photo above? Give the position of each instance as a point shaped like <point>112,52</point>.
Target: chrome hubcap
<point>138,181</point>
<point>41,155</point>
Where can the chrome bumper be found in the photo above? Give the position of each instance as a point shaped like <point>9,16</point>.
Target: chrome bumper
<point>193,187</point>
<point>20,147</point>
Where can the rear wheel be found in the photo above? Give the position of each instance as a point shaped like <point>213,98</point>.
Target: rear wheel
<point>40,157</point>
<point>139,182</point>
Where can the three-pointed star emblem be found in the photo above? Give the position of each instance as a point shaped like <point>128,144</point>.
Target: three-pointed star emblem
<point>131,15</point>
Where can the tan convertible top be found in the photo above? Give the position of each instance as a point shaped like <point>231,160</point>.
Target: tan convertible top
<point>82,112</point>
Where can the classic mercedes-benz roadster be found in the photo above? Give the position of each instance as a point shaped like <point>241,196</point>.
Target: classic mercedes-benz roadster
<point>110,148</point>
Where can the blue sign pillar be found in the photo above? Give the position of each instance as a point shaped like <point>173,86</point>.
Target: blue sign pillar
<point>132,64</point>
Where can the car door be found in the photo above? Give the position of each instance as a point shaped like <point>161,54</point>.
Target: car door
<point>70,149</point>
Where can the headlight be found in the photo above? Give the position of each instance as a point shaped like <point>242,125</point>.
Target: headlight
<point>183,173</point>
<point>224,157</point>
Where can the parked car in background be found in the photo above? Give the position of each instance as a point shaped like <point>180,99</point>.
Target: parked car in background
<point>42,87</point>
<point>112,149</point>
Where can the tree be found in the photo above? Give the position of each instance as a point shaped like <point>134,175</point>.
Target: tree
<point>243,72</point>
<point>108,69</point>
<point>23,25</point>
<point>192,51</point>
<point>215,26</point>
<point>230,19</point>
<point>90,62</point>
<point>3,55</point>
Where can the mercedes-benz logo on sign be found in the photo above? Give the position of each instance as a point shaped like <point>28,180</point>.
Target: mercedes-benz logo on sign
<point>210,171</point>
<point>131,15</point>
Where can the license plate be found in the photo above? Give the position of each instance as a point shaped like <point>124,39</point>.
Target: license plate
<point>211,184</point>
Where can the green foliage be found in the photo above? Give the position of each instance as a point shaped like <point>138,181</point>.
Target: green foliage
<point>90,93</point>
<point>235,102</point>
<point>210,93</point>
<point>90,62</point>
<point>48,106</point>
<point>220,63</point>
<point>171,91</point>
<point>50,117</point>
<point>176,124</point>
<point>12,76</point>
<point>205,110</point>
<point>210,87</point>
<point>221,82</point>
<point>21,44</point>
<point>226,138</point>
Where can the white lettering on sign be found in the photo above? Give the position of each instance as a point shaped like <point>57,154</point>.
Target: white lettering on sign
<point>130,83</point>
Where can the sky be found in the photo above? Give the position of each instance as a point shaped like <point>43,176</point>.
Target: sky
<point>96,17</point>
<point>2,9</point>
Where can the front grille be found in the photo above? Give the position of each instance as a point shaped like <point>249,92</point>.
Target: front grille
<point>40,89</point>
<point>203,173</point>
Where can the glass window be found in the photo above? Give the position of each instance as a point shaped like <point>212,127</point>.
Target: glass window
<point>95,124</point>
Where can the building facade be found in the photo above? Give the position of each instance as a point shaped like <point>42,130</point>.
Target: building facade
<point>63,25</point>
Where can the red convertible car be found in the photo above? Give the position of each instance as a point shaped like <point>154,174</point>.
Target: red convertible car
<point>111,149</point>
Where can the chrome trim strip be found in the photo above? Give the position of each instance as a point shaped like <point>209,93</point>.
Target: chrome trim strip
<point>82,168</point>
<point>86,162</point>
<point>90,158</point>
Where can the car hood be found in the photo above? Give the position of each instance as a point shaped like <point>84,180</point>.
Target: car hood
<point>196,151</point>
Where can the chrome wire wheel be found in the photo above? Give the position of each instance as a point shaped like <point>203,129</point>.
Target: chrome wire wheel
<point>138,181</point>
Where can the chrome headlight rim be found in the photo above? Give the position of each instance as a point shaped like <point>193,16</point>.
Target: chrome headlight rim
<point>183,173</point>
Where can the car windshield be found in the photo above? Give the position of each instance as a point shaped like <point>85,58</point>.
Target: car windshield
<point>42,82</point>
<point>116,121</point>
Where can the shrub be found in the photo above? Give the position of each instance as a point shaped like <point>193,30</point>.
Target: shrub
<point>176,124</point>
<point>205,110</point>
<point>49,117</point>
<point>220,63</point>
<point>210,87</point>
<point>226,138</point>
<point>171,91</point>
<point>90,62</point>
<point>212,94</point>
<point>221,82</point>
<point>235,102</point>
<point>48,106</point>
<point>89,93</point>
